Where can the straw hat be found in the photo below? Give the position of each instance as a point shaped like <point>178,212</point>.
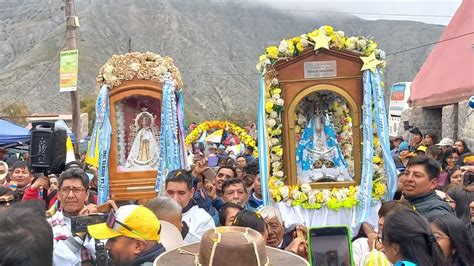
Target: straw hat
<point>229,245</point>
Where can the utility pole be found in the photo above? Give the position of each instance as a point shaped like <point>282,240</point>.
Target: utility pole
<point>71,45</point>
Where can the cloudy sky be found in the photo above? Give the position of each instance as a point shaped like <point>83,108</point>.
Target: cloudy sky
<point>428,11</point>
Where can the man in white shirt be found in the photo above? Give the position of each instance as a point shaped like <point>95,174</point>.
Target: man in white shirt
<point>179,186</point>
<point>73,194</point>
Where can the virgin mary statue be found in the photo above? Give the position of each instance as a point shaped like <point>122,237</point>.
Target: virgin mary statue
<point>318,154</point>
<point>145,148</point>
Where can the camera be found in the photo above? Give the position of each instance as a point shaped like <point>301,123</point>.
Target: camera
<point>101,254</point>
<point>79,223</point>
<point>468,178</point>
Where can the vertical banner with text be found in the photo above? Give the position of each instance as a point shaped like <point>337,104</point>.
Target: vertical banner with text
<point>68,70</point>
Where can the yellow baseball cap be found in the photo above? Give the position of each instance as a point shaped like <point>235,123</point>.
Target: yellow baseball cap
<point>132,221</point>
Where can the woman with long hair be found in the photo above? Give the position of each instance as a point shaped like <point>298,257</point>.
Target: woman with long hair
<point>462,199</point>
<point>455,176</point>
<point>461,146</point>
<point>448,163</point>
<point>453,238</point>
<point>408,237</point>
<point>430,139</point>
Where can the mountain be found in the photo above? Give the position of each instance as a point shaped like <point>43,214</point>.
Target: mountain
<point>215,44</point>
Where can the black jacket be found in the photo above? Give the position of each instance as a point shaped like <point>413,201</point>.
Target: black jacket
<point>430,205</point>
<point>149,255</point>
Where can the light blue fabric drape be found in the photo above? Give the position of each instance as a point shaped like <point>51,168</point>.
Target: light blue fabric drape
<point>263,146</point>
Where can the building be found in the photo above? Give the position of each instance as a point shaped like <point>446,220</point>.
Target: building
<point>67,117</point>
<point>440,91</point>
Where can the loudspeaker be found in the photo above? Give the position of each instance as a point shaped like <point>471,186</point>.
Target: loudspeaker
<point>47,148</point>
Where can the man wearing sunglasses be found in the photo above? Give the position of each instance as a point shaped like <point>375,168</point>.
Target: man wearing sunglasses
<point>133,235</point>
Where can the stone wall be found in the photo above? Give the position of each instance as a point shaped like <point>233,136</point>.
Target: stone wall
<point>455,121</point>
<point>422,118</point>
<point>466,123</point>
<point>450,121</point>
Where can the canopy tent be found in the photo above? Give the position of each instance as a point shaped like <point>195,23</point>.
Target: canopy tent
<point>11,133</point>
<point>447,76</point>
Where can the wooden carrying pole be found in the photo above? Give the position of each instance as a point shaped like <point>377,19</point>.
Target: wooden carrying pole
<point>71,45</point>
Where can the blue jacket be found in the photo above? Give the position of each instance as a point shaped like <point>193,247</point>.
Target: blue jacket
<point>253,201</point>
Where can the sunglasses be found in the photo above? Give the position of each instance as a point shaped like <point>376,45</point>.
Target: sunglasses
<point>6,203</point>
<point>112,221</point>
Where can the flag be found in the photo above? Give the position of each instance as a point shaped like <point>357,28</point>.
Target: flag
<point>216,136</point>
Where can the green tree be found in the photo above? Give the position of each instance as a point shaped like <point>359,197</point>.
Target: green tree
<point>16,112</point>
<point>88,106</point>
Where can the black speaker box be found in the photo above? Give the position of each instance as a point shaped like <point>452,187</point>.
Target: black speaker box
<point>47,148</point>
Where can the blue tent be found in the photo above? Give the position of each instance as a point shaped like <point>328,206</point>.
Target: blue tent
<point>11,133</point>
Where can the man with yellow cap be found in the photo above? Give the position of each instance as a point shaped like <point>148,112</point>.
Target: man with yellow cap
<point>133,235</point>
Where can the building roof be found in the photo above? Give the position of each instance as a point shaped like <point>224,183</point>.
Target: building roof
<point>447,76</point>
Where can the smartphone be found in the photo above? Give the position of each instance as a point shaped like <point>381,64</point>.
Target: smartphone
<point>330,246</point>
<point>212,161</point>
<point>209,174</point>
<point>79,223</point>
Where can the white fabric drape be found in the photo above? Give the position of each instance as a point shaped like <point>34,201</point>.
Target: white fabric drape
<point>326,217</point>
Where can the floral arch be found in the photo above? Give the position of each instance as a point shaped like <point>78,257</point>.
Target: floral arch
<point>243,136</point>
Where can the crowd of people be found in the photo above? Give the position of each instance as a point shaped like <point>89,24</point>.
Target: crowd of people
<point>43,219</point>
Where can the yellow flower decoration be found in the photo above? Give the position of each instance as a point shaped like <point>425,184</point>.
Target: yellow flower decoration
<point>377,159</point>
<point>334,198</point>
<point>246,139</point>
<point>272,52</point>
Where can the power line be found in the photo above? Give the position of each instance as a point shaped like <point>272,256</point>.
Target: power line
<point>220,74</point>
<point>13,8</point>
<point>161,11</point>
<point>389,54</point>
<point>428,44</point>
<point>364,13</point>
<point>42,75</point>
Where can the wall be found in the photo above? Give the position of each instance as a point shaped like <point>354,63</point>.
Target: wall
<point>466,123</point>
<point>450,121</point>
<point>455,121</point>
<point>422,118</point>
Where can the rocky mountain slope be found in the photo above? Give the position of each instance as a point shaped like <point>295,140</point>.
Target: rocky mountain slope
<point>214,43</point>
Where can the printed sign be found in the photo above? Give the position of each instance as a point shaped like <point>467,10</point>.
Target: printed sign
<point>320,69</point>
<point>68,70</point>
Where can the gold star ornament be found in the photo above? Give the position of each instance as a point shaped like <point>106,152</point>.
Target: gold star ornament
<point>321,41</point>
<point>370,62</point>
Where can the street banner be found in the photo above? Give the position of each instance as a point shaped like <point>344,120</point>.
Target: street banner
<point>68,70</point>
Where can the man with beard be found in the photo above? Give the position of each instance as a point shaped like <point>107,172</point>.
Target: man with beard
<point>133,236</point>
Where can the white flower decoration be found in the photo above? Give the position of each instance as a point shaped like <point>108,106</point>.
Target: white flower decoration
<point>283,46</point>
<point>312,199</point>
<point>340,33</point>
<point>361,43</point>
<point>279,174</point>
<point>301,119</point>
<point>280,102</point>
<point>271,122</point>
<point>284,191</point>
<point>296,195</point>
<point>306,188</point>
<point>273,114</point>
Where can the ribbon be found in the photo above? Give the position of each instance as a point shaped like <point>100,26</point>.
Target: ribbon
<point>170,156</point>
<point>365,188</point>
<point>103,131</point>
<point>262,145</point>
<point>382,133</point>
<point>181,129</point>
